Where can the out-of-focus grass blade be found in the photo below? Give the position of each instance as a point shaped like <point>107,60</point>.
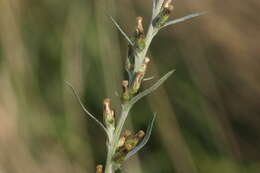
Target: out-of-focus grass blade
<point>148,78</point>
<point>182,19</point>
<point>84,109</point>
<point>144,141</point>
<point>121,30</point>
<point>151,89</point>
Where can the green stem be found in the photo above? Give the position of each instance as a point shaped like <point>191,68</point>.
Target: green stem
<point>141,55</point>
<point>114,138</point>
<point>112,144</point>
<point>152,31</point>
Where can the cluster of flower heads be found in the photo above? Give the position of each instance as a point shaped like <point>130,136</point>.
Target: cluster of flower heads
<point>127,141</point>
<point>136,74</point>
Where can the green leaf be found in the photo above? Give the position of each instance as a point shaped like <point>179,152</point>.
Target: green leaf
<point>85,110</point>
<point>182,19</point>
<point>122,32</point>
<point>151,89</point>
<point>144,141</point>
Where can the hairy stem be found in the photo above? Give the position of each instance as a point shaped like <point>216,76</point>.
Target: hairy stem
<point>111,146</point>
<point>152,31</point>
<point>113,141</point>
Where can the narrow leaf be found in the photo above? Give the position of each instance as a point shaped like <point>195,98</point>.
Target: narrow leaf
<point>84,109</point>
<point>182,19</point>
<point>151,89</point>
<point>144,141</point>
<point>121,30</point>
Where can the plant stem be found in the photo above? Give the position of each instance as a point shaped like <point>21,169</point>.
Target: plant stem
<point>114,138</point>
<point>141,55</point>
<point>152,31</point>
<point>111,146</point>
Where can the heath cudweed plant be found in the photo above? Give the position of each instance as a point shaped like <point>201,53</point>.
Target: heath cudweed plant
<point>122,145</point>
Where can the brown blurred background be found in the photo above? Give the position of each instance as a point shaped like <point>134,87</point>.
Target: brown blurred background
<point>208,112</point>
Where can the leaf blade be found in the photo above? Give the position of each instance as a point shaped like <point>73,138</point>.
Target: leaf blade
<point>121,31</point>
<point>84,109</point>
<point>144,141</point>
<point>151,89</point>
<point>182,19</point>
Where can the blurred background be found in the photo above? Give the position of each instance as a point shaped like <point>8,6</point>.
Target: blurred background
<point>208,111</point>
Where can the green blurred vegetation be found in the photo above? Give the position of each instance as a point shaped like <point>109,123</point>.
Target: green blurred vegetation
<point>208,112</point>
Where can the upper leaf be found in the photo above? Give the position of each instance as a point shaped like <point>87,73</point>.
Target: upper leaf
<point>122,32</point>
<point>85,110</point>
<point>182,19</point>
<point>151,89</point>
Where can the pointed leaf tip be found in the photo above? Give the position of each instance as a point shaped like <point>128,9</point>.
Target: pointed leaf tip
<point>121,30</point>
<point>84,109</point>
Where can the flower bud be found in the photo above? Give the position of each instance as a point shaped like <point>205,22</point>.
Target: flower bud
<point>125,93</point>
<point>99,169</point>
<point>132,142</point>
<point>139,40</point>
<point>137,82</point>
<point>139,26</point>
<point>140,134</point>
<point>108,113</point>
<point>129,145</point>
<point>123,138</point>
